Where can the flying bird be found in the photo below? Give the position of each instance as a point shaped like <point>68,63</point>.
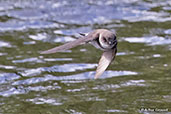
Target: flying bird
<point>100,38</point>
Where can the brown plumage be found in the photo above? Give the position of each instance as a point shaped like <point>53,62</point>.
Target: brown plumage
<point>100,38</point>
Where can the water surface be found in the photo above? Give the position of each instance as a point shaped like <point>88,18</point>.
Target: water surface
<point>137,82</point>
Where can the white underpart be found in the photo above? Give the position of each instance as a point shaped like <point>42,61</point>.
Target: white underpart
<point>104,45</point>
<point>95,44</point>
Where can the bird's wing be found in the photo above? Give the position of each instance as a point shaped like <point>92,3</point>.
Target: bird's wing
<point>106,58</point>
<point>72,44</point>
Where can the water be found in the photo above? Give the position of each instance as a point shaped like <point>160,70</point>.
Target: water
<point>137,82</point>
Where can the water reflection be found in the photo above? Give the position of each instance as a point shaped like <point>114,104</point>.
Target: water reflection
<point>4,44</point>
<point>154,40</point>
<point>115,110</point>
<point>44,101</point>
<point>63,12</point>
<point>139,76</point>
<point>8,77</point>
<point>18,89</point>
<point>81,76</point>
<point>167,31</point>
<point>34,59</point>
<point>22,25</point>
<point>7,67</point>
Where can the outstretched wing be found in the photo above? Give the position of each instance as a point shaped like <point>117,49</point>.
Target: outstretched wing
<point>72,44</point>
<point>106,58</point>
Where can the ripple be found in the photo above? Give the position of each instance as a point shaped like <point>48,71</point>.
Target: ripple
<point>7,67</point>
<point>31,72</point>
<point>63,39</point>
<point>124,53</point>
<point>31,81</point>
<point>37,60</point>
<point>44,101</point>
<point>58,59</point>
<point>18,89</point>
<point>148,16</point>
<point>167,31</point>
<point>13,91</point>
<point>32,59</point>
<point>105,87</point>
<point>95,99</point>
<point>73,81</point>
<point>69,67</point>
<point>151,40</point>
<point>27,14</point>
<point>47,14</point>
<point>57,68</point>
<point>66,32</point>
<point>75,90</point>
<point>134,83</point>
<point>29,42</point>
<point>28,78</point>
<point>43,88</point>
<point>39,36</point>
<point>8,77</point>
<point>5,44</point>
<point>81,76</point>
<point>64,13</point>
<point>4,6</point>
<point>156,55</point>
<point>24,90</point>
<point>167,98</point>
<point>2,54</point>
<point>115,110</point>
<point>14,25</point>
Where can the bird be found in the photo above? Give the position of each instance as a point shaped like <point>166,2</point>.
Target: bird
<point>102,39</point>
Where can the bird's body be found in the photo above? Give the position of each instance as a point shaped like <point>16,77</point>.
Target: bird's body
<point>100,38</point>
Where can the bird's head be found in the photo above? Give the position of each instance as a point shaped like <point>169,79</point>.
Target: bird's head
<point>107,40</point>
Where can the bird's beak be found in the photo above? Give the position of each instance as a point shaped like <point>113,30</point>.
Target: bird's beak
<point>114,43</point>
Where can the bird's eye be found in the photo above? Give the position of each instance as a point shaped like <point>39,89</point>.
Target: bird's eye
<point>104,40</point>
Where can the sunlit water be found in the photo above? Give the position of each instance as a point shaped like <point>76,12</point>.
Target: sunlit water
<point>137,82</point>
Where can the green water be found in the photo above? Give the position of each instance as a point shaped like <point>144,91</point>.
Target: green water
<point>137,82</point>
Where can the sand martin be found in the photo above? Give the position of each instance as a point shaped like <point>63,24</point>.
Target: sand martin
<point>100,38</point>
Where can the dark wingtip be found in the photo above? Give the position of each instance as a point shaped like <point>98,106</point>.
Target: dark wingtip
<point>82,34</point>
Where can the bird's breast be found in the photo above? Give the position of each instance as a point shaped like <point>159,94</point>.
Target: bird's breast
<point>96,44</point>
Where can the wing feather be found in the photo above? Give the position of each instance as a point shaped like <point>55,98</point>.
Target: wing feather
<point>72,44</point>
<point>106,58</point>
